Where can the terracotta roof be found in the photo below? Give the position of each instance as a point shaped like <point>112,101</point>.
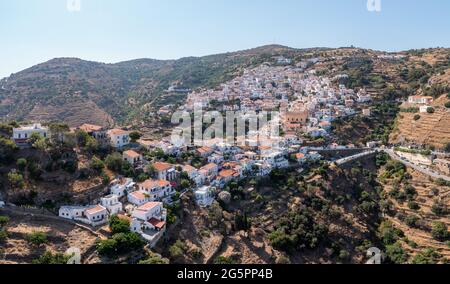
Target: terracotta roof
<point>159,166</point>
<point>189,168</point>
<point>300,156</point>
<point>227,173</point>
<point>154,183</point>
<point>157,223</point>
<point>117,132</point>
<point>95,209</point>
<point>90,128</point>
<point>148,206</point>
<point>209,166</point>
<point>132,154</point>
<point>138,195</point>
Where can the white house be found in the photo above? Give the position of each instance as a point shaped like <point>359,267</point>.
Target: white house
<point>97,215</point>
<point>2,204</point>
<point>276,160</point>
<point>132,157</point>
<point>71,212</point>
<point>93,215</point>
<point>118,137</point>
<point>112,203</point>
<point>22,134</point>
<point>149,220</point>
<point>193,174</point>
<point>420,100</point>
<point>120,186</point>
<point>157,190</point>
<point>204,196</point>
<point>138,198</point>
<point>165,171</point>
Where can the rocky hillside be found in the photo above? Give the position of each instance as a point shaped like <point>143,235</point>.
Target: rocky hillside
<point>78,91</point>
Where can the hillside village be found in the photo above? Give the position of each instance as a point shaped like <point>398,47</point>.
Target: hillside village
<point>159,173</point>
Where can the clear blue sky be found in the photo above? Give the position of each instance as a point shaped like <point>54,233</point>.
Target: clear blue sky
<point>33,31</point>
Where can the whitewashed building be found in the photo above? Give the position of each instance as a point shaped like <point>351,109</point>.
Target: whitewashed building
<point>204,196</point>
<point>22,134</point>
<point>118,138</point>
<point>112,203</point>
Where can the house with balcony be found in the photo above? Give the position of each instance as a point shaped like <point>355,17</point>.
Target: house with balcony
<point>22,135</point>
<point>149,221</point>
<point>165,171</point>
<point>112,204</point>
<point>118,138</point>
<point>157,190</point>
<point>204,196</point>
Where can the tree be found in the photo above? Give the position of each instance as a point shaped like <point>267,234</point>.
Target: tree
<point>416,117</point>
<point>97,164</point>
<point>134,136</point>
<point>224,260</point>
<point>91,144</point>
<point>430,110</point>
<point>114,162</point>
<point>119,225</point>
<point>3,235</point>
<point>185,183</point>
<point>439,231</point>
<point>447,104</point>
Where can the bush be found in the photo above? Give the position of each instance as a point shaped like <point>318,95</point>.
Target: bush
<point>438,208</point>
<point>430,110</point>
<point>119,244</point>
<point>439,231</point>
<point>97,164</point>
<point>388,233</point>
<point>224,260</point>
<point>3,235</point>
<point>49,258</point>
<point>7,150</point>
<point>154,259</point>
<point>412,221</point>
<point>447,104</point>
<point>429,256</point>
<point>22,164</point>
<point>396,253</point>
<point>37,238</point>
<point>416,117</point>
<point>177,249</point>
<point>134,136</point>
<point>3,220</point>
<point>15,179</point>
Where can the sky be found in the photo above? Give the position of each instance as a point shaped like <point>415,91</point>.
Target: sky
<point>34,31</point>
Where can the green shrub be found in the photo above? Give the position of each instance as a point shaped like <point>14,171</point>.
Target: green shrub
<point>49,258</point>
<point>396,253</point>
<point>97,164</point>
<point>119,225</point>
<point>416,117</point>
<point>22,164</point>
<point>37,238</point>
<point>3,220</point>
<point>16,179</point>
<point>439,231</point>
<point>429,256</point>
